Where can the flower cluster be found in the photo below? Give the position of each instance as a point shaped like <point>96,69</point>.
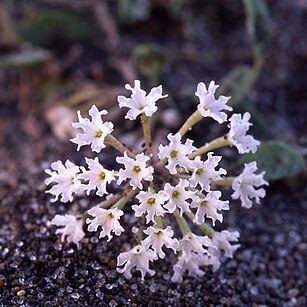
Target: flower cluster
<point>169,183</point>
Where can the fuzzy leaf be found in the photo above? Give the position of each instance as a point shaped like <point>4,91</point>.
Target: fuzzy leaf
<point>237,83</point>
<point>277,159</point>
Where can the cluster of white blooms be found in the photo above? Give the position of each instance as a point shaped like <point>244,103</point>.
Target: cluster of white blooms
<point>164,184</point>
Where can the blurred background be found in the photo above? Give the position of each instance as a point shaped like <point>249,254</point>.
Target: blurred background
<point>59,56</point>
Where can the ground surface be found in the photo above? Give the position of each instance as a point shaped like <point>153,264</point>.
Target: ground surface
<point>269,269</point>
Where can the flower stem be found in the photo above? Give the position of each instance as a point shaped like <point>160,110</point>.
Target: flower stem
<point>215,144</point>
<point>112,141</point>
<point>206,229</point>
<point>183,225</point>
<point>190,122</point>
<point>105,204</point>
<point>145,120</point>
<point>124,200</point>
<point>225,181</point>
<point>158,221</point>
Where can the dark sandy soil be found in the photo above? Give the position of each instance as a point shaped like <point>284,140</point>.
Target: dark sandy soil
<point>36,269</point>
<point>270,268</point>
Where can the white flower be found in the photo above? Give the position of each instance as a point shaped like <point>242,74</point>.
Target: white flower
<point>72,228</point>
<point>193,243</point>
<point>209,106</point>
<point>237,134</point>
<point>107,219</point>
<point>245,185</point>
<point>151,204</point>
<point>158,237</point>
<point>195,252</point>
<point>97,177</point>
<point>203,172</point>
<point>94,131</point>
<point>135,169</point>
<point>209,206</point>
<point>140,103</point>
<point>176,152</point>
<point>138,257</point>
<point>222,241</point>
<point>190,263</point>
<point>178,195</point>
<point>65,179</point>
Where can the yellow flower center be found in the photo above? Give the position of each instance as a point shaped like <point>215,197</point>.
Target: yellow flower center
<point>204,203</point>
<point>151,201</point>
<point>99,134</point>
<point>136,169</point>
<point>102,176</point>
<point>175,194</point>
<point>173,154</point>
<point>199,171</point>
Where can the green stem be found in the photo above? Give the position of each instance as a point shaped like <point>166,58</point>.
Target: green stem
<point>105,204</point>
<point>112,141</point>
<point>225,181</point>
<point>124,200</point>
<point>183,225</point>
<point>145,120</point>
<point>215,144</point>
<point>190,122</point>
<point>159,222</point>
<point>206,229</point>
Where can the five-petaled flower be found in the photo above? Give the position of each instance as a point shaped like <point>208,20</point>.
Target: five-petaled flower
<point>139,103</point>
<point>94,130</point>
<point>176,152</point>
<point>150,204</point>
<point>97,177</point>
<point>65,178</point>
<point>135,169</point>
<point>107,219</point>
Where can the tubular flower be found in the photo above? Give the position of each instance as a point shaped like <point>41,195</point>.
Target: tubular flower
<point>209,106</point>
<point>65,179</point>
<point>94,130</point>
<point>245,185</point>
<point>139,103</point>
<point>97,177</point>
<point>158,237</point>
<point>135,169</point>
<point>108,220</point>
<point>71,228</point>
<point>221,240</point>
<point>138,257</point>
<point>190,263</point>
<point>237,134</point>
<point>176,152</point>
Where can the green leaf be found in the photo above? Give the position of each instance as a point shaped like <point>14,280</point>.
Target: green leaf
<point>277,159</point>
<point>237,83</point>
<point>257,23</point>
<point>49,26</point>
